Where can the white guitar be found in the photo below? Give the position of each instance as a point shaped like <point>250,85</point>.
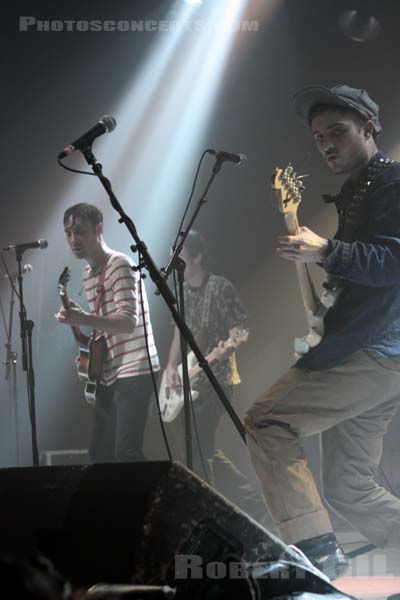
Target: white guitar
<point>288,187</point>
<point>171,398</point>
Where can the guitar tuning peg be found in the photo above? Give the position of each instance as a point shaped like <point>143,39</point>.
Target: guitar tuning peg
<point>302,187</point>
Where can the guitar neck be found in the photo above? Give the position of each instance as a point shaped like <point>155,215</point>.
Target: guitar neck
<point>196,370</point>
<point>307,289</point>
<point>78,335</point>
<point>308,293</point>
<point>213,356</point>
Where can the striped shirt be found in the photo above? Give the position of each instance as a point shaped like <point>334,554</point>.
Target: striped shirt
<point>127,354</point>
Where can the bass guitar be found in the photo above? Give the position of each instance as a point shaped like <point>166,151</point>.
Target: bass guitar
<point>171,398</point>
<point>289,187</point>
<point>92,349</point>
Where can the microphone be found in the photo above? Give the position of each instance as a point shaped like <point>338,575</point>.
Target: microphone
<point>238,159</point>
<point>42,244</point>
<point>105,125</point>
<point>25,269</point>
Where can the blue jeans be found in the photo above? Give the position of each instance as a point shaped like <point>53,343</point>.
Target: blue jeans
<point>120,416</point>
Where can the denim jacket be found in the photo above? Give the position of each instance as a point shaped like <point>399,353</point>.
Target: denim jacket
<point>365,257</point>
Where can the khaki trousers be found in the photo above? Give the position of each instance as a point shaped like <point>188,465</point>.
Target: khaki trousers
<point>351,406</point>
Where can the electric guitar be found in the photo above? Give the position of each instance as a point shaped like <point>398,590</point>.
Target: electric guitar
<point>289,187</point>
<point>92,350</point>
<point>171,398</point>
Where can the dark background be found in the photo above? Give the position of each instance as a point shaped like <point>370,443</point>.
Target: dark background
<point>55,85</point>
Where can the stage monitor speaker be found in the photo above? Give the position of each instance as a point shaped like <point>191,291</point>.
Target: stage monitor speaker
<point>125,522</point>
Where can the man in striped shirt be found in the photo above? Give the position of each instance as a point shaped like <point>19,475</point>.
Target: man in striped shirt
<point>118,308</point>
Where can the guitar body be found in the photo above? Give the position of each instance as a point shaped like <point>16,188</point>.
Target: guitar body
<point>171,398</point>
<point>97,356</point>
<point>315,321</point>
<point>316,327</point>
<point>90,365</point>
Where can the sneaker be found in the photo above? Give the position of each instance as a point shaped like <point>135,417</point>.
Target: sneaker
<point>325,554</point>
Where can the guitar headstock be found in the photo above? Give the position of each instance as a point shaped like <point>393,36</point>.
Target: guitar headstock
<point>229,345</point>
<point>239,337</point>
<point>288,187</point>
<point>63,280</point>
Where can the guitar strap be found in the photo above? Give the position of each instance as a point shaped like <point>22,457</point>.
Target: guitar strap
<point>208,292</point>
<point>100,289</point>
<point>349,215</point>
<point>233,376</point>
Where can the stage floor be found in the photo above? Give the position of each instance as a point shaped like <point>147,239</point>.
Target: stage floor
<point>372,576</point>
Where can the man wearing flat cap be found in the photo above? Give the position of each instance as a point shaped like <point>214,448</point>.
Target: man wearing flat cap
<point>347,388</point>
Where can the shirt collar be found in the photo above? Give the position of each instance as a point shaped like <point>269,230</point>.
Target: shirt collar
<point>348,188</point>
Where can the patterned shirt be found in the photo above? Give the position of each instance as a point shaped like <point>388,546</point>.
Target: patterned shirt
<point>365,257</point>
<point>211,323</point>
<point>127,355</point>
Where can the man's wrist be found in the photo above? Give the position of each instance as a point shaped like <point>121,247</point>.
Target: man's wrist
<point>328,247</point>
<point>84,318</point>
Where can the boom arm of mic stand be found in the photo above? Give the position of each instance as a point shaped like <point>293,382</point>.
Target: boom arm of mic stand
<point>183,234</point>
<point>160,282</point>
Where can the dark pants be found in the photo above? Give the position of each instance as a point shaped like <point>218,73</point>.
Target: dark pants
<point>208,410</point>
<point>120,416</point>
<point>217,468</point>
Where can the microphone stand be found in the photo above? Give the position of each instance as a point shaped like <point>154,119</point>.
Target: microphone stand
<point>175,263</point>
<point>11,374</point>
<point>179,266</point>
<point>26,326</point>
<point>159,278</point>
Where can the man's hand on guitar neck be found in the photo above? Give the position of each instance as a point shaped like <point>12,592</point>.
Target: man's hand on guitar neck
<point>306,246</point>
<point>75,316</point>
